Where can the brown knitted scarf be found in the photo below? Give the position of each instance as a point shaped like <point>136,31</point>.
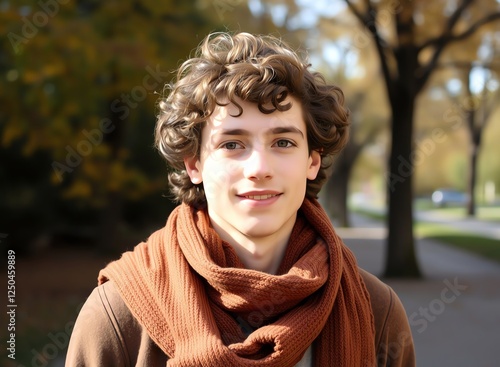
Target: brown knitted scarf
<point>203,308</point>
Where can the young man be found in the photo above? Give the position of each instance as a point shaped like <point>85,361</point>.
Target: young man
<point>248,270</point>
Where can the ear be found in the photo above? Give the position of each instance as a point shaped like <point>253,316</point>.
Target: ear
<point>193,169</point>
<point>314,164</point>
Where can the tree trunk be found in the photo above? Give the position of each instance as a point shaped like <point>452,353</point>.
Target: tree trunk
<point>405,76</point>
<point>401,259</point>
<point>336,196</point>
<point>471,185</point>
<point>475,136</point>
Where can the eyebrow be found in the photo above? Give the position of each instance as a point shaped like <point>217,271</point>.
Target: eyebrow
<point>272,131</point>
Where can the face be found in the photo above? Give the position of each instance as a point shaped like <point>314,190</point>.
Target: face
<point>254,169</point>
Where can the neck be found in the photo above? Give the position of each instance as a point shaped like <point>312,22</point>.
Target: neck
<point>258,253</point>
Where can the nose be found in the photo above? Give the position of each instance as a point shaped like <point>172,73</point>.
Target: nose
<point>258,165</point>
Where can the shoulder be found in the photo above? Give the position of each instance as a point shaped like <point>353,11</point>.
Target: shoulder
<point>106,333</point>
<point>393,339</point>
<point>383,299</point>
<point>96,337</point>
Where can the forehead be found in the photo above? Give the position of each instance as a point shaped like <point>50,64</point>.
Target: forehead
<point>250,117</point>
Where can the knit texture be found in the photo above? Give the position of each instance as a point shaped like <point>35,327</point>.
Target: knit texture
<point>193,295</point>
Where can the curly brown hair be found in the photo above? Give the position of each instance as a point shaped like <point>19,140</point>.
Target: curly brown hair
<point>258,69</point>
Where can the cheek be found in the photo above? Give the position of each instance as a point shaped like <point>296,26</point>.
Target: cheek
<point>217,177</point>
<point>222,170</point>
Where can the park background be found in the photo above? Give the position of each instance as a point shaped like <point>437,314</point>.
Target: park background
<point>80,181</point>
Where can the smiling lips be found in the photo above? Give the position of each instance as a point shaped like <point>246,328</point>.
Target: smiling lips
<point>260,197</point>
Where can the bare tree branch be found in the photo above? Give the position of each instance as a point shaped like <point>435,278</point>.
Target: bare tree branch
<point>490,107</point>
<point>452,21</point>
<point>356,12</point>
<point>474,27</point>
<point>440,43</point>
<point>448,37</point>
<point>369,21</point>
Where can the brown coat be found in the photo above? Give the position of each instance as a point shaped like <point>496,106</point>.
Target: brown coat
<point>106,333</point>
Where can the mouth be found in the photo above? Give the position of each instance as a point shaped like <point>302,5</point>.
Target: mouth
<point>260,197</point>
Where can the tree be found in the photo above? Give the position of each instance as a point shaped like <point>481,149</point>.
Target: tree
<point>78,88</point>
<point>78,106</point>
<point>363,130</point>
<point>409,38</point>
<point>329,49</point>
<point>407,61</point>
<point>478,106</point>
<point>337,187</point>
<point>363,125</point>
<point>366,113</point>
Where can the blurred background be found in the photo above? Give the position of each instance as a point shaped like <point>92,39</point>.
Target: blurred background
<point>80,181</point>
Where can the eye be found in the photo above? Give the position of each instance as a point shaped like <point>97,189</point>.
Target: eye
<point>231,145</point>
<point>284,143</point>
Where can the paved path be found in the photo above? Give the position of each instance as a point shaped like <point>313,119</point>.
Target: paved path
<point>454,311</point>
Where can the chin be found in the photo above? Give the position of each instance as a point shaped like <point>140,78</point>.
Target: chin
<point>259,231</point>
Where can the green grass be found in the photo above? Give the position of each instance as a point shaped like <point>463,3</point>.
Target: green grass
<point>483,246</point>
<point>483,212</point>
<point>368,213</point>
<point>487,247</point>
<point>489,213</point>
